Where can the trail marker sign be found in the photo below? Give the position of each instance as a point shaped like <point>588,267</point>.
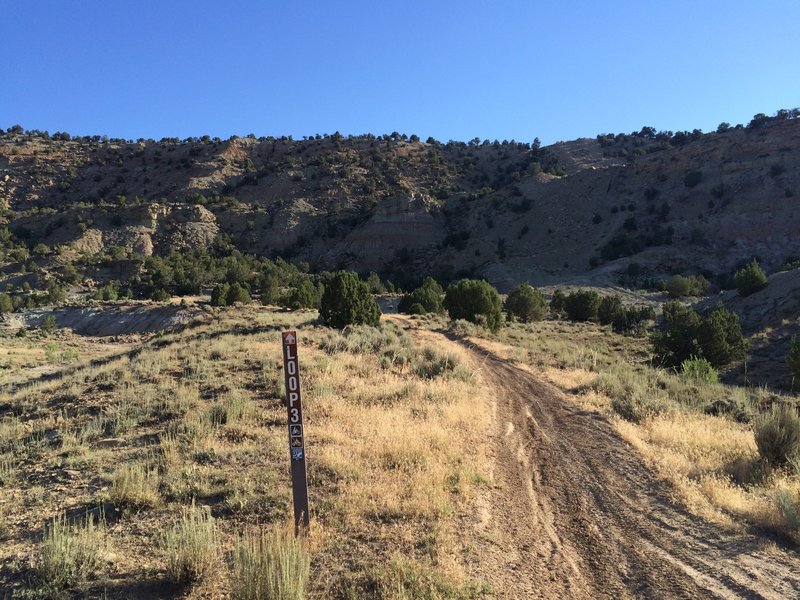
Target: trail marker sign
<point>297,443</point>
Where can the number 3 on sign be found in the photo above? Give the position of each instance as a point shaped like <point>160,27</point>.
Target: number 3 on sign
<point>295,415</point>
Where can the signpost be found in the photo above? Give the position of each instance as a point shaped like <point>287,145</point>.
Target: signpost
<point>297,446</point>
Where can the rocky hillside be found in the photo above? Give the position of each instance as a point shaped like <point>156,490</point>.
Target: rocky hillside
<point>617,208</point>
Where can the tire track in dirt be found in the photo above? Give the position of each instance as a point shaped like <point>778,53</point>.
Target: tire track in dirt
<point>575,513</point>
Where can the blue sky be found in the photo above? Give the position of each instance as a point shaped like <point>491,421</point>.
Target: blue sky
<point>451,70</point>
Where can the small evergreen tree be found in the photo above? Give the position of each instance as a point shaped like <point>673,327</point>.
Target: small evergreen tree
<point>474,300</point>
<point>610,308</point>
<point>750,278</point>
<point>526,303</point>
<point>428,296</point>
<point>238,293</point>
<point>348,301</point>
<point>582,305</point>
<point>219,295</point>
<point>6,305</point>
<point>558,304</point>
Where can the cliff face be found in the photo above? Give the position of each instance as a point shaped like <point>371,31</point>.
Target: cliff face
<point>581,210</point>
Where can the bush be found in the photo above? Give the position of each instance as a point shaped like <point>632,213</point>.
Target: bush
<point>269,566</point>
<point>558,304</point>
<point>692,178</point>
<point>699,370</point>
<point>610,308</point>
<point>750,278</point>
<point>794,362</point>
<point>6,305</point>
<point>526,303</point>
<point>70,553</point>
<point>474,300</point>
<point>304,295</point>
<point>238,294</point>
<point>348,301</point>
<point>48,324</point>
<point>679,287</point>
<point>778,434</point>
<point>718,338</point>
<point>219,295</point>
<point>428,296</point>
<point>582,305</point>
<point>191,545</point>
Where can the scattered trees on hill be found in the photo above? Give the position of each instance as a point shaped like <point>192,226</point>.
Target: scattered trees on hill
<point>526,303</point>
<point>717,338</point>
<point>750,278</point>
<point>476,301</point>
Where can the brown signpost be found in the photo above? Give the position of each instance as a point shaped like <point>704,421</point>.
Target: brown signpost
<point>297,445</point>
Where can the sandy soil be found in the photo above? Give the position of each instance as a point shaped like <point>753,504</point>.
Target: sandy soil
<point>575,513</point>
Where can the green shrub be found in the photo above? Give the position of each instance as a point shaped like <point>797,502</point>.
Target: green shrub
<point>219,295</point>
<point>718,338</point>
<point>679,287</point>
<point>476,301</point>
<point>777,434</point>
<point>303,295</point>
<point>526,303</point>
<point>794,362</point>
<point>700,370</point>
<point>269,566</point>
<point>6,305</point>
<point>416,309</point>
<point>348,301</point>
<point>558,304</point>
<point>692,178</point>
<point>428,296</point>
<point>610,308</point>
<point>238,294</point>
<point>582,305</point>
<point>48,324</point>
<point>750,279</point>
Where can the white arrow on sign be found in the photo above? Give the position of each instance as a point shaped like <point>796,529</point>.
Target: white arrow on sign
<point>289,338</point>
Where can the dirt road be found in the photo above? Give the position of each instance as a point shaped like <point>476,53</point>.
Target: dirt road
<point>576,514</point>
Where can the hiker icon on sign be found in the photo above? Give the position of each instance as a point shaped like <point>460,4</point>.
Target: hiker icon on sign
<point>297,454</point>
<point>295,431</point>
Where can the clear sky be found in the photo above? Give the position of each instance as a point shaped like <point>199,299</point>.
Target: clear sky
<point>452,70</point>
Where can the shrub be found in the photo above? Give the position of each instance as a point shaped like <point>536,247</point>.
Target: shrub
<point>304,295</point>
<point>582,305</point>
<point>692,178</point>
<point>6,305</point>
<point>238,293</point>
<point>135,486</point>
<point>219,295</point>
<point>720,337</point>
<point>428,296</point>
<point>678,286</point>
<point>526,303</point>
<point>69,553</point>
<point>610,308</point>
<point>48,324</point>
<point>269,566</point>
<point>191,545</point>
<point>750,279</point>
<point>699,370</point>
<point>474,300</point>
<point>347,301</point>
<point>558,304</point>
<point>794,362</point>
<point>778,434</point>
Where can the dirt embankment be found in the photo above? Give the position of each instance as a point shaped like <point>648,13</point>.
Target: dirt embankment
<point>112,320</point>
<point>574,513</point>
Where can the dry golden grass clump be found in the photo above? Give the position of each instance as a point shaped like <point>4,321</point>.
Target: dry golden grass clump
<point>189,425</point>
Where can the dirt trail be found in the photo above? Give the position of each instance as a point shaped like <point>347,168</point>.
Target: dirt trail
<point>576,514</point>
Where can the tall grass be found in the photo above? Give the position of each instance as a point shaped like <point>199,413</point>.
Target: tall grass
<point>269,565</point>
<point>69,553</point>
<point>191,546</point>
<point>135,486</point>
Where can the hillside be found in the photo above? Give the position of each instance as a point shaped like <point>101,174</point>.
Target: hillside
<point>574,211</point>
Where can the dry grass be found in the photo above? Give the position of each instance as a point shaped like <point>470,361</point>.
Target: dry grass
<point>269,565</point>
<point>192,545</point>
<point>394,436</point>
